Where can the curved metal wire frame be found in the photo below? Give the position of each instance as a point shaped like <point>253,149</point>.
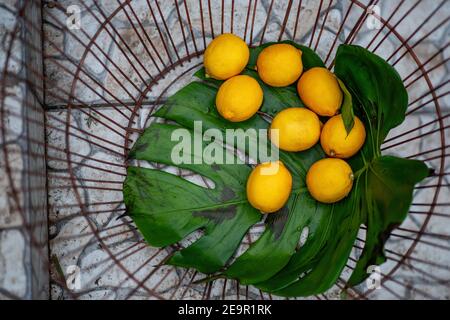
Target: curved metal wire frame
<point>168,62</point>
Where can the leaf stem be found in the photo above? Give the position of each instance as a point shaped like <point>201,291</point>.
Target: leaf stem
<point>300,190</point>
<point>360,171</point>
<point>378,151</point>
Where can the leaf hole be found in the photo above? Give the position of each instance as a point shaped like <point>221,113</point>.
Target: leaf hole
<point>252,235</point>
<point>303,237</point>
<point>358,246</point>
<point>186,174</point>
<point>191,238</point>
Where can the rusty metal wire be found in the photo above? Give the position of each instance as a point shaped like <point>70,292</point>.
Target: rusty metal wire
<point>162,47</point>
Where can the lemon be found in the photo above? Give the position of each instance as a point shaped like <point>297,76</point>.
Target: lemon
<point>226,56</point>
<point>269,186</point>
<point>319,90</point>
<point>280,65</point>
<point>335,141</point>
<point>239,98</point>
<point>329,180</point>
<point>298,129</point>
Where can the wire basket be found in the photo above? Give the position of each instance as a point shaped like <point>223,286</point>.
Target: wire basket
<point>79,82</point>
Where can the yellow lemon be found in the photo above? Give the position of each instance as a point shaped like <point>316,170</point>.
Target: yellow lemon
<point>319,90</point>
<point>335,141</point>
<point>280,65</point>
<point>269,186</point>
<point>298,129</point>
<point>329,180</point>
<point>239,98</point>
<point>226,56</point>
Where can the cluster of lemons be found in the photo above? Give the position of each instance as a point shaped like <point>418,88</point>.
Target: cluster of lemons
<point>297,129</point>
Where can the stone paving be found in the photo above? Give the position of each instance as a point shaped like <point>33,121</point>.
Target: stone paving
<point>23,214</point>
<point>128,53</point>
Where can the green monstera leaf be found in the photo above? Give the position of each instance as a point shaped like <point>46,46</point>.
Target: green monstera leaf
<point>381,102</point>
<point>167,208</point>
